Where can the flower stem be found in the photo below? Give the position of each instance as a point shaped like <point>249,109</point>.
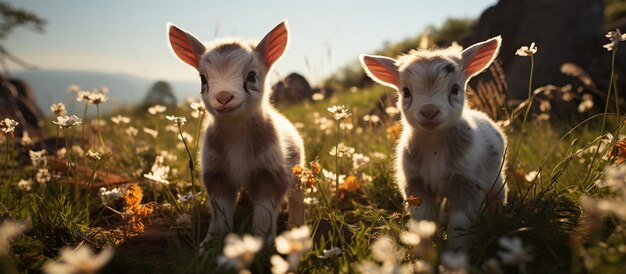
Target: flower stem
<point>195,148</point>
<point>82,134</point>
<point>606,110</point>
<point>191,165</point>
<point>98,126</point>
<point>521,137</point>
<point>337,166</point>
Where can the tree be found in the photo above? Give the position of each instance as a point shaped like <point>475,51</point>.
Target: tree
<point>12,18</point>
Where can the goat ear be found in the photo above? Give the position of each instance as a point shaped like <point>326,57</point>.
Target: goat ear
<point>381,69</point>
<point>480,55</point>
<point>187,47</point>
<point>273,45</point>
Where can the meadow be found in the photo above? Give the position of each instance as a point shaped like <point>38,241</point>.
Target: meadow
<point>121,193</point>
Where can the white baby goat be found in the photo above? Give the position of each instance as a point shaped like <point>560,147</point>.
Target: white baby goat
<point>248,146</point>
<point>446,149</point>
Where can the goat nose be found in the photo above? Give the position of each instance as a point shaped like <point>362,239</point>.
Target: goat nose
<point>429,111</point>
<point>224,97</point>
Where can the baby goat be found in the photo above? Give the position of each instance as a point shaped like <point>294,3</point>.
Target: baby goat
<point>248,146</point>
<point>446,149</point>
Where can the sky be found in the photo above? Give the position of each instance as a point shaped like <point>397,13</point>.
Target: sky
<point>121,36</point>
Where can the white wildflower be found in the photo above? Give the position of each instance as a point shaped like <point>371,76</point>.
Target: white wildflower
<point>359,160</point>
<point>93,155</point>
<point>82,95</point>
<point>386,250</point>
<point>58,109</point>
<point>340,150</point>
<point>530,176</point>
<point>38,158</point>
<point>330,253</point>
<point>198,108</point>
<point>279,265</point>
<point>159,172</point>
<point>514,252</point>
<point>43,176</point>
<point>616,37</point>
<point>132,131</point>
<point>25,184</point>
<point>372,119</point>
<point>151,132</point>
<point>294,243</point>
<point>418,232</point>
<point>391,111</point>
<point>8,125</point>
<point>156,109</point>
<point>186,197</point>
<point>114,193</point>
<point>97,98</point>
<point>586,103</point>
<point>239,251</point>
<point>26,140</point>
<point>339,112</point>
<point>317,96</point>
<point>119,119</point>
<point>80,260</point>
<point>8,231</point>
<point>527,51</point>
<point>179,121</point>
<point>68,121</point>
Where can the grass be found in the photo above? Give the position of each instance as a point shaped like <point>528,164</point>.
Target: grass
<point>547,211</point>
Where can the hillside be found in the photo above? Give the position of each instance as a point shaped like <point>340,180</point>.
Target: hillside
<point>50,86</point>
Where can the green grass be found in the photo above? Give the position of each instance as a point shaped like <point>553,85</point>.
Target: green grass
<point>544,213</point>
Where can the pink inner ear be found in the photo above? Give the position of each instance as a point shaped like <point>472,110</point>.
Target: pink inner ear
<point>482,58</point>
<point>182,46</point>
<point>274,44</point>
<point>380,71</point>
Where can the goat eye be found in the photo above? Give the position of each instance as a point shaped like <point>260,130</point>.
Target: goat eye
<point>251,77</point>
<point>455,89</point>
<point>203,80</point>
<point>406,93</point>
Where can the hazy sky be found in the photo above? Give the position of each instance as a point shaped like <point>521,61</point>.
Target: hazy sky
<point>129,36</point>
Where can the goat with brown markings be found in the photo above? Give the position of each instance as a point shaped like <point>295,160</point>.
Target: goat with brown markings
<point>248,146</point>
<point>446,149</point>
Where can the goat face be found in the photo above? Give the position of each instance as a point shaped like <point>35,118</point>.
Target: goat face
<point>432,93</point>
<point>431,84</point>
<point>232,73</point>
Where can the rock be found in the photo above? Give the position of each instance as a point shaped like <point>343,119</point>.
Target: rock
<point>565,31</point>
<point>17,101</point>
<point>294,88</point>
<point>159,94</point>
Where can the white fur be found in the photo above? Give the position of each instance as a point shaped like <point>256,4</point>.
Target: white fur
<point>458,154</point>
<point>248,146</point>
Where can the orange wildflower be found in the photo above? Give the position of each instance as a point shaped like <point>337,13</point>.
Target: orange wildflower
<point>393,132</point>
<point>297,170</point>
<point>132,197</point>
<point>350,184</point>
<point>134,209</point>
<point>414,200</point>
<point>619,151</point>
<point>315,167</point>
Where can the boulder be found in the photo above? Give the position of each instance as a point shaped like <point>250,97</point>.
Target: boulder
<point>565,31</point>
<point>17,101</point>
<point>160,93</point>
<point>294,88</point>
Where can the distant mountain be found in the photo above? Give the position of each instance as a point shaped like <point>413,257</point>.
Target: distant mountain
<point>50,86</point>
